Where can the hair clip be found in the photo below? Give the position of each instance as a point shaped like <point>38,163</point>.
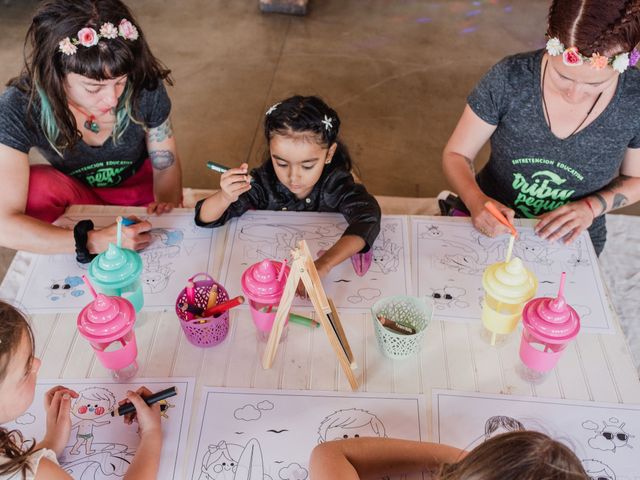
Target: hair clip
<point>88,37</point>
<point>272,108</point>
<point>328,125</point>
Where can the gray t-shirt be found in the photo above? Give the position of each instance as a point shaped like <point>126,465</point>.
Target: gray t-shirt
<point>103,166</point>
<point>530,169</point>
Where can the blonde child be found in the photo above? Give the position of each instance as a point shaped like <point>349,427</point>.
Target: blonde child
<point>307,169</point>
<point>521,455</point>
<point>37,461</point>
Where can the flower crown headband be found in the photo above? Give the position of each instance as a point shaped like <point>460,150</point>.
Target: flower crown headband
<point>88,37</point>
<point>327,121</point>
<point>572,57</point>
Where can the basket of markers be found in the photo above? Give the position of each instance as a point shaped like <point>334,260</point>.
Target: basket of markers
<point>400,323</point>
<point>203,310</point>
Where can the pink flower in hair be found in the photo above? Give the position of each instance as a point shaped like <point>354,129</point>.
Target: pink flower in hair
<point>598,61</point>
<point>634,56</point>
<point>108,30</point>
<point>87,37</point>
<point>127,30</point>
<point>67,47</point>
<point>572,57</point>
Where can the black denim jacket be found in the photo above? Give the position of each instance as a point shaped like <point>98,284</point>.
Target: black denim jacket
<point>335,191</point>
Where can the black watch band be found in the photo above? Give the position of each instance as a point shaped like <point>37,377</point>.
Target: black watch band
<point>81,236</point>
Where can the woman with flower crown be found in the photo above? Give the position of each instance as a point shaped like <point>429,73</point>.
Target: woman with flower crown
<point>563,125</point>
<point>91,100</point>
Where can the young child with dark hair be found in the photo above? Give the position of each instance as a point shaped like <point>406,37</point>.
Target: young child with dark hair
<point>307,169</point>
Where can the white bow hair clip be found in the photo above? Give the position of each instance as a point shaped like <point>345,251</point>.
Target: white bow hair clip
<point>272,108</point>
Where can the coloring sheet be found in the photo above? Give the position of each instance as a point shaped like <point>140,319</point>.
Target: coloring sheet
<point>101,447</point>
<point>260,235</point>
<point>604,436</point>
<point>178,250</point>
<point>449,258</point>
<point>269,435</point>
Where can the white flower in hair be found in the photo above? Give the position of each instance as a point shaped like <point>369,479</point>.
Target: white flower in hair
<point>328,125</point>
<point>67,47</point>
<point>620,62</point>
<point>108,30</point>
<point>272,108</point>
<point>554,47</point>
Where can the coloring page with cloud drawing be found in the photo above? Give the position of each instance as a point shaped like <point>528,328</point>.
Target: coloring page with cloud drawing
<point>269,435</point>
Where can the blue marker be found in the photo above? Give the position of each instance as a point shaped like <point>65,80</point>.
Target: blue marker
<point>127,222</point>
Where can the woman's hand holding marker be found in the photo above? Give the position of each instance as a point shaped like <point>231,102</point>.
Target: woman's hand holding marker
<point>485,222</point>
<point>134,236</point>
<point>234,182</point>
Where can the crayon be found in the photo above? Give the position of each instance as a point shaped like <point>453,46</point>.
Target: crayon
<point>223,307</point>
<point>395,326</point>
<point>150,400</point>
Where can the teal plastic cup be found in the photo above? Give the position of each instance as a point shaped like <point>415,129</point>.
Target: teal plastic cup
<point>116,272</point>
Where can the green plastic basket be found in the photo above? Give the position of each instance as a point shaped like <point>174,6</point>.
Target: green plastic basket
<point>409,311</point>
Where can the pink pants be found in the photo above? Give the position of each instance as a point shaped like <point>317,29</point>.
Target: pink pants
<point>51,192</point>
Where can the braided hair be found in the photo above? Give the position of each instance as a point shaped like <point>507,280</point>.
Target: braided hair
<point>594,26</point>
<point>309,117</point>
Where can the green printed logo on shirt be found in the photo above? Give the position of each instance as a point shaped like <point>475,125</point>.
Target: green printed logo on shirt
<point>102,174</point>
<point>544,190</point>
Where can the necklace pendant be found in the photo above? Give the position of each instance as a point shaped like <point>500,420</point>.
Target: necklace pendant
<point>91,125</point>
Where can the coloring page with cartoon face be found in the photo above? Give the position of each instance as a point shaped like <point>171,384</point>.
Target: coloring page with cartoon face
<point>178,250</point>
<point>268,435</point>
<point>260,235</point>
<point>604,436</point>
<point>101,446</point>
<point>449,258</point>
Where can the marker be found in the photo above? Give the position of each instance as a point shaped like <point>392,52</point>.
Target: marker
<point>396,327</point>
<point>493,210</point>
<point>127,222</point>
<point>219,168</point>
<point>150,400</point>
<point>223,307</point>
<point>191,294</point>
<point>300,320</point>
<point>192,309</point>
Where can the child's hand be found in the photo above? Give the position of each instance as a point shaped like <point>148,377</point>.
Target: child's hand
<point>234,182</point>
<point>148,417</point>
<point>57,404</point>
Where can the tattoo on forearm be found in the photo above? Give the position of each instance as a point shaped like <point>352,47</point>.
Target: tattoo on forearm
<point>162,132</point>
<point>161,159</point>
<point>619,200</point>
<point>603,202</point>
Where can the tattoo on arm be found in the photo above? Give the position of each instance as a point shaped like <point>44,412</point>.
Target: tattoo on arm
<point>603,203</point>
<point>619,200</point>
<point>161,159</point>
<point>160,133</point>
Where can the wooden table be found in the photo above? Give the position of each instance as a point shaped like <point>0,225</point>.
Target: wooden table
<point>594,367</point>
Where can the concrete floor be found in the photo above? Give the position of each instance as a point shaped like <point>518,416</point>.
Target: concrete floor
<point>397,72</point>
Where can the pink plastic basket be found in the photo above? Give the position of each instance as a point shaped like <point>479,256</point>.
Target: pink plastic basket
<point>206,331</point>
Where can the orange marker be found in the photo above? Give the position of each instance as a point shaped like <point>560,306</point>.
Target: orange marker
<point>493,210</point>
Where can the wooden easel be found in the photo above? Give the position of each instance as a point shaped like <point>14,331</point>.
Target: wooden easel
<point>303,268</point>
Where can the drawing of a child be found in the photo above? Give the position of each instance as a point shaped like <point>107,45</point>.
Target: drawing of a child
<point>93,403</point>
<point>221,461</point>
<point>350,423</point>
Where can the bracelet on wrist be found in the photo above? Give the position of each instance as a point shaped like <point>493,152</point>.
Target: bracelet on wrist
<point>593,212</point>
<point>81,237</point>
